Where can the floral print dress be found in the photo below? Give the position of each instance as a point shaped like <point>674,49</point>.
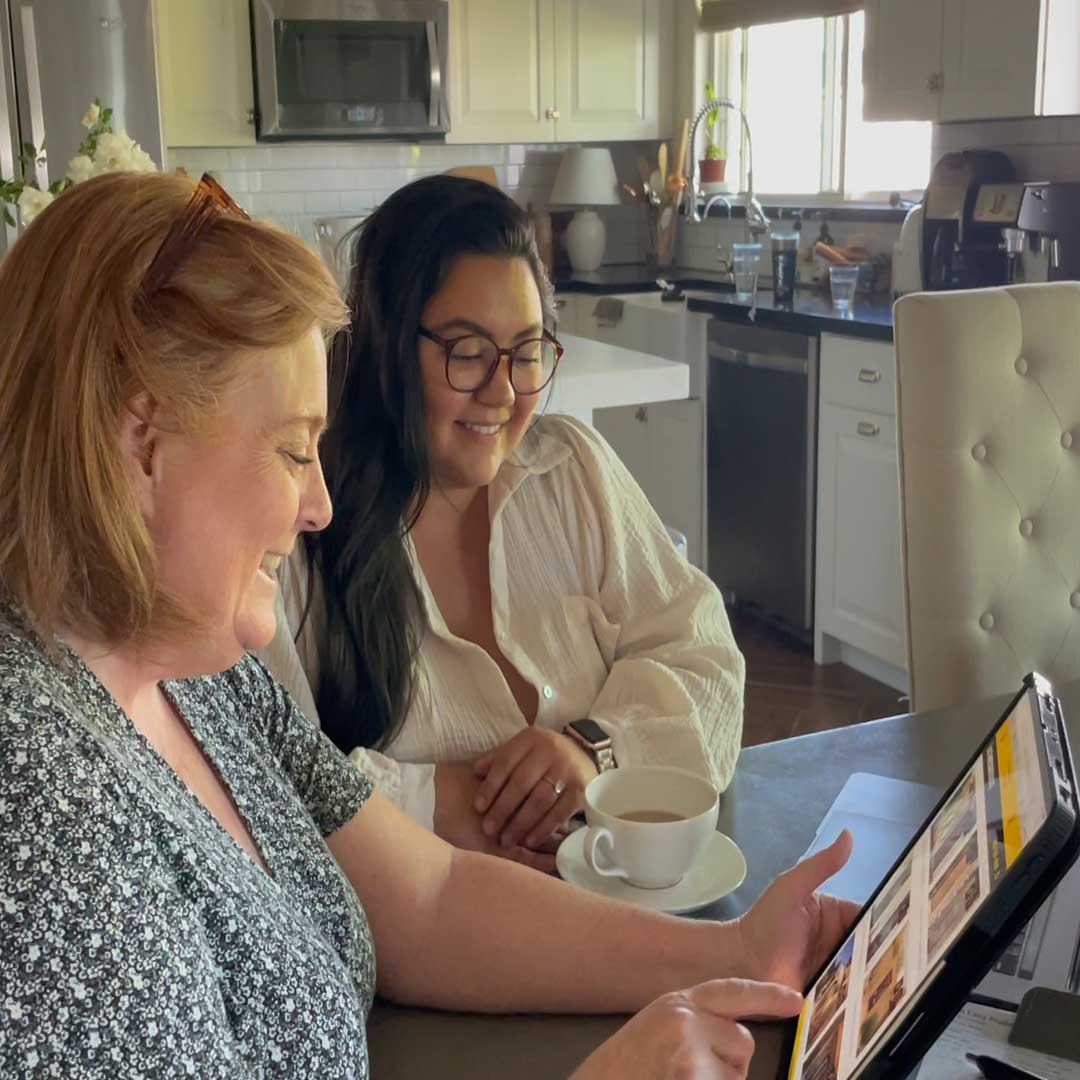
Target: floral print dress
<point>137,938</point>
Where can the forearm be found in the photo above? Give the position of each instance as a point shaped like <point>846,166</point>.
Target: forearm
<point>507,939</point>
<point>660,715</point>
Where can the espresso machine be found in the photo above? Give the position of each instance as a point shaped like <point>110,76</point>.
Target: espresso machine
<point>1051,212</point>
<point>962,233</point>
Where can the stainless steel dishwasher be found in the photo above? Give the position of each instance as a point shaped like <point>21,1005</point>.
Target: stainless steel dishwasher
<point>762,454</point>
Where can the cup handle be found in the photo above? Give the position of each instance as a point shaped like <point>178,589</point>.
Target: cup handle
<point>592,842</point>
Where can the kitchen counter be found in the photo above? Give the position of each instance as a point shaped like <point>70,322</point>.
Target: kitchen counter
<point>595,375</point>
<point>812,310</point>
<point>636,277</point>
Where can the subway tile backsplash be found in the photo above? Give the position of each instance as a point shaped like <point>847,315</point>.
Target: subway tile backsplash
<point>298,183</point>
<point>1041,148</point>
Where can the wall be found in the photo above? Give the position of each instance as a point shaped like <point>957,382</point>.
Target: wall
<point>1042,148</point>
<point>295,184</point>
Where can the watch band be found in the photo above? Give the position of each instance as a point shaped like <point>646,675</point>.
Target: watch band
<point>605,757</point>
<point>603,754</point>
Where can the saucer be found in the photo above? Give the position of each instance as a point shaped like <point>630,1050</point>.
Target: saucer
<point>720,870</point>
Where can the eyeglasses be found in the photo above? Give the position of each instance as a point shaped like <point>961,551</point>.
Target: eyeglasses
<point>209,200</point>
<point>471,361</point>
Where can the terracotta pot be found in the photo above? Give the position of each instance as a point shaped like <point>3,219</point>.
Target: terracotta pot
<point>712,170</point>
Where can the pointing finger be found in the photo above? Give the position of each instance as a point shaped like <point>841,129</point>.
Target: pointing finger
<point>736,999</point>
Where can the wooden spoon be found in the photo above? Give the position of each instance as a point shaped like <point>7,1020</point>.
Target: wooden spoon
<point>662,163</point>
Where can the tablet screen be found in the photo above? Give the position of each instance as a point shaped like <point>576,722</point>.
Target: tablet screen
<point>979,832</point>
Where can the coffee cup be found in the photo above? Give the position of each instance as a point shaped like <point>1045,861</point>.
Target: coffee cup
<point>648,824</point>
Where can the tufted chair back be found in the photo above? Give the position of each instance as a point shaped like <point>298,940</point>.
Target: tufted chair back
<point>988,422</point>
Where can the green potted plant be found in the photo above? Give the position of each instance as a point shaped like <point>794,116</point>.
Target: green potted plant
<point>714,164</point>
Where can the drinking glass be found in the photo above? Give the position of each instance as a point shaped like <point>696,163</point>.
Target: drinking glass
<point>842,282</point>
<point>744,267</point>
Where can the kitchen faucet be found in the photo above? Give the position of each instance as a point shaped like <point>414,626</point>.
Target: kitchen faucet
<point>756,220</point>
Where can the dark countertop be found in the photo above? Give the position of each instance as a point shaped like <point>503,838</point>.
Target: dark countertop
<point>636,277</point>
<point>812,311</point>
<point>780,793</point>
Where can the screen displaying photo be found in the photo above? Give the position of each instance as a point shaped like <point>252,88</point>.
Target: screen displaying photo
<point>894,947</point>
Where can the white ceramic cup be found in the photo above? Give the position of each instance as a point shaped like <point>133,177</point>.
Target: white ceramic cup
<point>650,855</point>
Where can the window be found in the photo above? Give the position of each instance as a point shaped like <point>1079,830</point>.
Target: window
<point>800,84</point>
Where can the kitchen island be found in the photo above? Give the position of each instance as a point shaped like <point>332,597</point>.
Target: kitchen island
<point>597,375</point>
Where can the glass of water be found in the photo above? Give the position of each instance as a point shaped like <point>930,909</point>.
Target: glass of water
<point>745,259</point>
<point>842,282</point>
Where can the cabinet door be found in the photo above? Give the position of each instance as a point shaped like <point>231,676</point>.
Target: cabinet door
<point>902,59</point>
<point>859,594</point>
<point>566,312</point>
<point>204,60</point>
<point>608,78</point>
<point>663,447</point>
<point>624,329</point>
<point>991,52</point>
<point>501,71</point>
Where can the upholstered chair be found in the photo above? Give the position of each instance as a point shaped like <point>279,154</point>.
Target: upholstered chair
<point>988,417</point>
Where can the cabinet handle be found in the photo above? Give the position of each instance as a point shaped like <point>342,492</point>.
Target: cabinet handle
<point>869,375</point>
<point>552,112</point>
<point>642,415</point>
<point>251,116</point>
<point>867,429</point>
<point>936,82</point>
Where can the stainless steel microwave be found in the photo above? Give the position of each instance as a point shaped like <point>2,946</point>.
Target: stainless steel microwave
<point>341,68</point>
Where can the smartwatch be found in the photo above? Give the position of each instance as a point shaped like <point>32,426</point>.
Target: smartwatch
<point>594,740</point>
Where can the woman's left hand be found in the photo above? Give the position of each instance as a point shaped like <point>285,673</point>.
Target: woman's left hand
<point>792,929</point>
<point>517,792</point>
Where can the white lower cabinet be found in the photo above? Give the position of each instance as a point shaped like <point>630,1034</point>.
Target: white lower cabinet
<point>660,444</point>
<point>663,445</point>
<point>859,595</point>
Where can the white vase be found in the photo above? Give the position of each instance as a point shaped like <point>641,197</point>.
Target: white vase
<point>585,240</point>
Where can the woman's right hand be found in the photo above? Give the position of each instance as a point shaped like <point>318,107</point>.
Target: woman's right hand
<point>693,1034</point>
<point>457,822</point>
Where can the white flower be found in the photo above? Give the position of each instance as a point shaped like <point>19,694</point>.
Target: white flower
<point>113,151</point>
<point>90,117</point>
<point>32,202</point>
<point>80,168</point>
<point>141,161</point>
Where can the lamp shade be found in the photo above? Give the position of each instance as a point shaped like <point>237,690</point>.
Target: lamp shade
<point>586,178</point>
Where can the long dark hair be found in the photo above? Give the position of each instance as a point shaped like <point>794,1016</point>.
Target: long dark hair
<point>376,454</point>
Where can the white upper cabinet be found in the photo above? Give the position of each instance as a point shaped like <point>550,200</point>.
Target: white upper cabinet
<point>560,70</point>
<point>502,79</point>
<point>204,65</point>
<point>901,59</point>
<point>607,70</point>
<point>970,59</point>
<point>991,58</point>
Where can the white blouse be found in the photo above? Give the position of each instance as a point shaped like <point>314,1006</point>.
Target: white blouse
<point>593,606</point>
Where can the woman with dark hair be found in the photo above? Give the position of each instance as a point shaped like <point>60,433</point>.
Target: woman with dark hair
<point>492,576</point>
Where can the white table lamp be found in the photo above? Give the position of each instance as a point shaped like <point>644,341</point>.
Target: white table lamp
<point>586,178</point>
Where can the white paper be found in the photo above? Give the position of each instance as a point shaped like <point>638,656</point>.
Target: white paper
<point>979,1029</point>
<point>883,815</point>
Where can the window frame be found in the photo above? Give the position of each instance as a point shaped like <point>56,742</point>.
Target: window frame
<point>725,59</point>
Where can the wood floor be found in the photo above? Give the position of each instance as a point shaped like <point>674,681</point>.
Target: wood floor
<point>788,694</point>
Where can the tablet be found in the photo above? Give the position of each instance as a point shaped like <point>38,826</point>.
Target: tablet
<point>991,851</point>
